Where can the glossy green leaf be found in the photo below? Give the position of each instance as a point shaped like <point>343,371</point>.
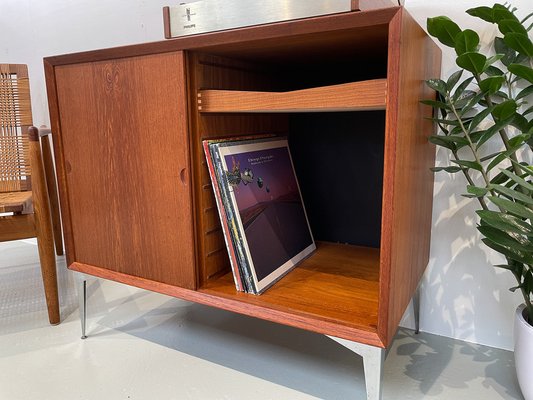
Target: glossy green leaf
<point>510,253</point>
<point>438,85</point>
<point>453,79</point>
<point>494,129</point>
<point>451,169</point>
<point>517,244</point>
<point>466,41</point>
<point>522,71</point>
<point>520,43</point>
<point>494,71</point>
<point>496,161</point>
<point>513,268</point>
<point>485,13</point>
<point>491,84</point>
<point>476,191</point>
<point>518,180</point>
<point>509,55</point>
<point>514,208</point>
<point>511,25</point>
<point>461,88</point>
<point>520,122</point>
<point>472,61</point>
<point>446,122</point>
<point>480,117</point>
<point>468,103</point>
<point>525,92</point>
<point>444,29</point>
<point>528,169</point>
<point>437,140</point>
<point>453,139</point>
<point>468,164</point>
<point>490,156</point>
<point>491,60</point>
<point>505,222</point>
<point>512,194</point>
<point>504,110</point>
<point>500,13</point>
<point>518,140</point>
<point>500,178</point>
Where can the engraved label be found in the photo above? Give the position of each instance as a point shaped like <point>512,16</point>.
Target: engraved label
<point>188,14</point>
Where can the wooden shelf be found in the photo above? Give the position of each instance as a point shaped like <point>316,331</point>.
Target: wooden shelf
<point>338,283</point>
<point>356,96</point>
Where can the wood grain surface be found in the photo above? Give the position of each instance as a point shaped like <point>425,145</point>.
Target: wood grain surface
<point>408,181</point>
<point>123,134</point>
<point>324,294</point>
<point>354,96</point>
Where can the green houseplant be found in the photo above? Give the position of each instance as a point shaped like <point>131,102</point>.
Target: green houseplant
<point>486,102</point>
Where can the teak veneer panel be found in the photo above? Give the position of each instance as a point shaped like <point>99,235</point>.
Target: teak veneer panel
<point>408,180</point>
<point>123,135</point>
<point>337,283</point>
<point>355,96</point>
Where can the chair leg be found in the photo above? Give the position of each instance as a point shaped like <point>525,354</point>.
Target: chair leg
<point>48,269</point>
<point>51,184</point>
<point>43,229</point>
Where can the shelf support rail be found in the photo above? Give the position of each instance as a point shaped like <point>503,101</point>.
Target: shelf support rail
<point>373,360</point>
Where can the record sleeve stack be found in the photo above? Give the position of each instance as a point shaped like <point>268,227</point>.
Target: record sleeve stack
<point>261,210</point>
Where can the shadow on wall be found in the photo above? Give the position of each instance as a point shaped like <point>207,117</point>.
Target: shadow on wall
<point>463,295</point>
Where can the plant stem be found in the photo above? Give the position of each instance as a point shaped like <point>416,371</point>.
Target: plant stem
<point>471,145</point>
<point>470,181</point>
<point>502,132</point>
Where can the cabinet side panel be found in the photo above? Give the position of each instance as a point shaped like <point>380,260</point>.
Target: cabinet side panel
<point>408,182</point>
<point>125,150</point>
<point>59,161</point>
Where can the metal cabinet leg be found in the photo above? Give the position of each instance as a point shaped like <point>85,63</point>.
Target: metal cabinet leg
<point>82,298</point>
<point>416,309</point>
<point>373,360</point>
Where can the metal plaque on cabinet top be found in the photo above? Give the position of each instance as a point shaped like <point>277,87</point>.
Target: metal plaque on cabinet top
<point>215,15</point>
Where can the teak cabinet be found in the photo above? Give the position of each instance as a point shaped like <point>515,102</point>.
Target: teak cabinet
<point>137,202</point>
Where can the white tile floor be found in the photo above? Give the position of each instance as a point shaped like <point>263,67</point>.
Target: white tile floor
<point>144,345</point>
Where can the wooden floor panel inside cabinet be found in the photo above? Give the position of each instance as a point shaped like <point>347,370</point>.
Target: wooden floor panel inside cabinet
<point>338,283</point>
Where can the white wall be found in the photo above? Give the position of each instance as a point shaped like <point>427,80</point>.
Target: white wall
<point>463,296</point>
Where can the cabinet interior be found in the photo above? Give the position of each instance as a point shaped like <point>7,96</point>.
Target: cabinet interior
<point>338,157</point>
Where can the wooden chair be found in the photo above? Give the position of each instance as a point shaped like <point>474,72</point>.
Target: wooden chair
<point>27,185</point>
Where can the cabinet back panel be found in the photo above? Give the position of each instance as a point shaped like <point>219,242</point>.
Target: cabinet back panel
<point>125,149</point>
<point>339,163</point>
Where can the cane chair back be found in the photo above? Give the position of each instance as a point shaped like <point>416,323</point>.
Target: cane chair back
<point>15,119</point>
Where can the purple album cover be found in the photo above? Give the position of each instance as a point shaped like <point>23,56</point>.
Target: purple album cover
<point>264,188</point>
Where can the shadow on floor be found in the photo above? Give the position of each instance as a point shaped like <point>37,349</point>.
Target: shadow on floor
<point>433,365</point>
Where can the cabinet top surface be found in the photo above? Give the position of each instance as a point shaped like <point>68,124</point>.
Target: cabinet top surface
<point>361,27</point>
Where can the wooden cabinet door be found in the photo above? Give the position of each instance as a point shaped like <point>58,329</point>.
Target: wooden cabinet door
<point>124,145</point>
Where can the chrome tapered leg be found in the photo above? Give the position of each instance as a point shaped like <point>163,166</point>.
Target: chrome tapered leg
<point>373,360</point>
<point>416,309</point>
<point>82,298</point>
